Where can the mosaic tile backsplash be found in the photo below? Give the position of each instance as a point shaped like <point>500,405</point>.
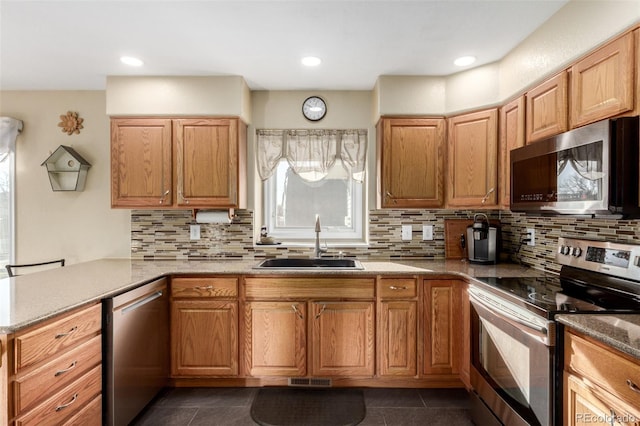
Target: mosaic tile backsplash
<point>164,234</point>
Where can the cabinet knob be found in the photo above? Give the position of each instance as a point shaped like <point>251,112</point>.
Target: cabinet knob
<point>393,287</point>
<point>60,335</point>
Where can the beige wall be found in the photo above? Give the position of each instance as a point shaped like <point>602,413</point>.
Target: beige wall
<point>184,95</point>
<point>577,28</point>
<point>78,226</point>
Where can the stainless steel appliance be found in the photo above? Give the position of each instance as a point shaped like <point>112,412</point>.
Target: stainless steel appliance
<point>513,333</point>
<point>591,170</point>
<point>136,350</point>
<point>482,240</point>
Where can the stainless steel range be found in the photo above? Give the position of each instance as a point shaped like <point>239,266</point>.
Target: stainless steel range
<point>513,333</point>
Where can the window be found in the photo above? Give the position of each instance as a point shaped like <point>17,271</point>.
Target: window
<point>6,211</point>
<point>9,129</point>
<point>309,173</point>
<point>291,205</point>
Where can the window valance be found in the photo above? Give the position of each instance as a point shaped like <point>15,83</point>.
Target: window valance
<point>312,153</point>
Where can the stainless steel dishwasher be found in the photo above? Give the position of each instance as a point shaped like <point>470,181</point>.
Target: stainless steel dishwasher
<point>136,350</point>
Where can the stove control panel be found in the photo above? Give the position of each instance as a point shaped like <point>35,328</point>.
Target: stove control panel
<point>620,260</point>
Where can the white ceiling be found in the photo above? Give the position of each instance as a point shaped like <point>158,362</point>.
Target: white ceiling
<point>74,45</point>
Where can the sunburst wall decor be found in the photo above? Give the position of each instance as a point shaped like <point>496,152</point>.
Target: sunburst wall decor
<point>71,123</point>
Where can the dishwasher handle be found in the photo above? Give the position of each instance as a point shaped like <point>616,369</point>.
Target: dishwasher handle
<point>144,301</point>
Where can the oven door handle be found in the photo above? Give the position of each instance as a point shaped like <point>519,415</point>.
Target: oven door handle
<point>545,335</point>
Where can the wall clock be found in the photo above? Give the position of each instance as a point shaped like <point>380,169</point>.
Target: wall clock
<point>314,108</point>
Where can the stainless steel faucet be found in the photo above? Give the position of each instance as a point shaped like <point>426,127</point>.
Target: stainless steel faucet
<point>317,252</point>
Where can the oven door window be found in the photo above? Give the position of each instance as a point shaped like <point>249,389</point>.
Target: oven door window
<point>570,175</point>
<point>506,360</point>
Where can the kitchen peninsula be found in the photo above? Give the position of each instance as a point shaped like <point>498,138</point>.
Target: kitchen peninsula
<point>69,299</point>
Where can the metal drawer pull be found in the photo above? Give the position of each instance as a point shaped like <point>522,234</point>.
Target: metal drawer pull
<point>393,287</point>
<point>321,311</point>
<point>295,309</point>
<point>208,287</point>
<point>60,335</point>
<point>633,386</point>
<point>63,406</point>
<point>71,367</point>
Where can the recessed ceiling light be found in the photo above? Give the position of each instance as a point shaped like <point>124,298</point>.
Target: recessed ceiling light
<point>463,61</point>
<point>130,60</point>
<point>311,61</point>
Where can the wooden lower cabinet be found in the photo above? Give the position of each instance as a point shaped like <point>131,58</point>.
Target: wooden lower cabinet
<point>444,328</point>
<point>600,384</point>
<point>398,334</point>
<point>343,336</point>
<point>204,338</point>
<point>275,340</point>
<point>585,406</point>
<point>55,373</point>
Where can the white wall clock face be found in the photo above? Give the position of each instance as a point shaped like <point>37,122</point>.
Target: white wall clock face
<point>314,108</point>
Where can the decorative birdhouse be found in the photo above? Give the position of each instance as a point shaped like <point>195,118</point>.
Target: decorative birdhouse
<point>67,169</point>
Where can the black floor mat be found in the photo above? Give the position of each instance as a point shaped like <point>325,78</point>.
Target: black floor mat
<point>309,407</point>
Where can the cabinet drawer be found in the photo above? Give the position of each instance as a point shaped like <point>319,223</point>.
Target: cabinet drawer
<point>56,374</point>
<point>44,342</point>
<point>603,367</point>
<point>204,287</point>
<point>90,415</point>
<point>309,287</point>
<point>66,403</point>
<point>397,288</point>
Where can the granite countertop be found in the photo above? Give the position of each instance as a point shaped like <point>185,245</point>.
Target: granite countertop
<point>29,299</point>
<point>620,331</point>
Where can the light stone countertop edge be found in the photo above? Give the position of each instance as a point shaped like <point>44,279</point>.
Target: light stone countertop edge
<point>29,299</point>
<point>620,331</point>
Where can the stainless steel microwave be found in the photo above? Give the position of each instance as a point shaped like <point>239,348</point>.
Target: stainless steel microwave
<point>591,170</point>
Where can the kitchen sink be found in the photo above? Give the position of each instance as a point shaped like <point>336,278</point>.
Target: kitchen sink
<point>321,263</point>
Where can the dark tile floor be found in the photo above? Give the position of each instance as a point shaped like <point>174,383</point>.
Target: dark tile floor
<point>231,406</point>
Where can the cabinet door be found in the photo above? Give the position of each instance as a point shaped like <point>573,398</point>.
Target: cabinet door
<point>343,338</point>
<point>141,162</point>
<point>398,333</point>
<point>444,329</point>
<point>204,338</point>
<point>511,137</point>
<point>473,157</point>
<point>275,338</point>
<point>584,405</point>
<point>411,162</point>
<point>602,84</point>
<point>207,162</point>
<point>547,108</point>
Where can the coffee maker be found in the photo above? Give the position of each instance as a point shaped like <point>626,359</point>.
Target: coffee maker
<point>482,240</point>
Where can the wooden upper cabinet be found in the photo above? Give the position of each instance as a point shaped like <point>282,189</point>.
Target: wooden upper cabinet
<point>141,162</point>
<point>473,156</point>
<point>547,108</point>
<point>411,162</point>
<point>188,162</point>
<point>206,162</point>
<point>511,137</point>
<point>602,84</point>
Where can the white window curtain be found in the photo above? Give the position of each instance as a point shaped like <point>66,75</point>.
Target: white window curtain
<point>312,153</point>
<point>9,129</point>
